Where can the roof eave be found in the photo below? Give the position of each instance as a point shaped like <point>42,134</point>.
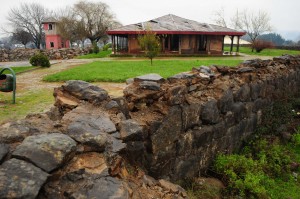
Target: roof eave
<point>124,32</point>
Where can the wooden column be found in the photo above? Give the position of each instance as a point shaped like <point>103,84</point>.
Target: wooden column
<point>179,44</point>
<point>231,45</point>
<point>117,43</point>
<point>238,44</point>
<point>114,43</point>
<point>223,44</point>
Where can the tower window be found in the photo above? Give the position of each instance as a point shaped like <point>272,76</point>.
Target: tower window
<point>50,27</point>
<point>52,44</point>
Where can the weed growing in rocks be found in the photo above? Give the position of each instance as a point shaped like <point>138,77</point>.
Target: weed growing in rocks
<point>268,166</point>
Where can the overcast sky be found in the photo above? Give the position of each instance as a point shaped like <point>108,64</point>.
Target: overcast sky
<point>285,14</point>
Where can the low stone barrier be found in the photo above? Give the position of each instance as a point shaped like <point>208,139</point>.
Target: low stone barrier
<point>53,54</point>
<point>91,144</point>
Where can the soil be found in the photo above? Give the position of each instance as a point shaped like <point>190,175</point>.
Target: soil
<point>32,80</point>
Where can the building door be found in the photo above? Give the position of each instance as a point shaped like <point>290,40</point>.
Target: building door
<point>202,41</point>
<point>174,42</point>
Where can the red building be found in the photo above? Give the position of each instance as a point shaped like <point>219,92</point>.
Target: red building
<point>177,36</point>
<point>53,38</point>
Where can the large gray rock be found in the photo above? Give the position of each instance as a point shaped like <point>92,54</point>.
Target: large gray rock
<point>210,112</point>
<point>168,131</point>
<point>4,149</point>
<point>89,131</point>
<point>149,77</point>
<point>13,132</point>
<point>20,179</point>
<point>176,95</point>
<point>243,94</point>
<point>131,130</point>
<point>226,101</point>
<point>149,85</point>
<point>47,151</point>
<point>191,115</point>
<point>107,187</point>
<point>85,91</point>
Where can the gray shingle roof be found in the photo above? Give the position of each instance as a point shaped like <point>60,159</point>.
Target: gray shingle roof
<point>172,22</point>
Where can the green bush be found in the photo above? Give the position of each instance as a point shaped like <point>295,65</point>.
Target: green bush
<point>106,47</point>
<point>95,48</point>
<point>40,60</point>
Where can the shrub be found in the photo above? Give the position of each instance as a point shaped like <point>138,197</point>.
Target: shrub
<point>260,45</point>
<point>106,47</point>
<point>95,48</point>
<point>90,50</point>
<point>40,60</point>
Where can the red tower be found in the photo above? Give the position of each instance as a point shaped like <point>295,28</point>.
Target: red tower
<point>53,37</point>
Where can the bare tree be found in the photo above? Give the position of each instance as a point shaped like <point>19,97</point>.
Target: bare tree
<point>254,24</point>
<point>22,36</point>
<point>94,19</point>
<point>29,17</point>
<point>219,17</point>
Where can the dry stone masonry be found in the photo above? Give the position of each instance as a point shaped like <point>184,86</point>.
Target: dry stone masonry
<point>91,145</point>
<point>53,54</point>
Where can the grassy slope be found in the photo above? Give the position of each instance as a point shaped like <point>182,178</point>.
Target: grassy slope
<point>119,71</point>
<point>30,102</point>
<point>19,69</point>
<point>265,52</point>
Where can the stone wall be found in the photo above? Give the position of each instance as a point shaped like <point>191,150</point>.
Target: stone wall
<point>190,117</point>
<point>53,54</point>
<point>91,144</point>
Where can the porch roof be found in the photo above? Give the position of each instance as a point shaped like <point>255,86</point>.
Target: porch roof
<point>172,24</point>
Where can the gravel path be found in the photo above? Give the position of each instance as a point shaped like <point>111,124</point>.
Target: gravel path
<point>32,80</point>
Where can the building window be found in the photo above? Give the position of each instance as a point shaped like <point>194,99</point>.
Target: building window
<point>62,44</point>
<point>50,27</point>
<point>52,44</point>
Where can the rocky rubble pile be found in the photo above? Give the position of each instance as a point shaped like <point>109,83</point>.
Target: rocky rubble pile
<point>53,54</point>
<point>74,151</point>
<point>90,145</point>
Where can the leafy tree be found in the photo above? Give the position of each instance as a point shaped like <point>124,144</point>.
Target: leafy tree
<point>29,17</point>
<point>22,36</point>
<point>150,43</point>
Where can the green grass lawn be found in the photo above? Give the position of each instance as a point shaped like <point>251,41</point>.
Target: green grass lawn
<point>18,69</point>
<point>101,54</point>
<point>119,71</point>
<point>30,102</point>
<point>265,52</point>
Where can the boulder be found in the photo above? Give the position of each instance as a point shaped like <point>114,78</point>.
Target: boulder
<point>210,112</point>
<point>85,91</point>
<point>150,77</point>
<point>47,151</point>
<point>14,132</point>
<point>4,149</point>
<point>131,130</point>
<point>148,85</point>
<point>89,132</point>
<point>20,179</point>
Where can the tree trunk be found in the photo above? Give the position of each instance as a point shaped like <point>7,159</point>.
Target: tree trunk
<point>151,61</point>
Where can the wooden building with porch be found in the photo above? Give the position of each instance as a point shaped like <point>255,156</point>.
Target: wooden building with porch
<point>177,36</point>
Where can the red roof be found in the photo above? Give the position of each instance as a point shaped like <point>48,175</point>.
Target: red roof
<point>172,24</point>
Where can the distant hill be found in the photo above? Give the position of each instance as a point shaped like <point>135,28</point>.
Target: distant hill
<point>290,35</point>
